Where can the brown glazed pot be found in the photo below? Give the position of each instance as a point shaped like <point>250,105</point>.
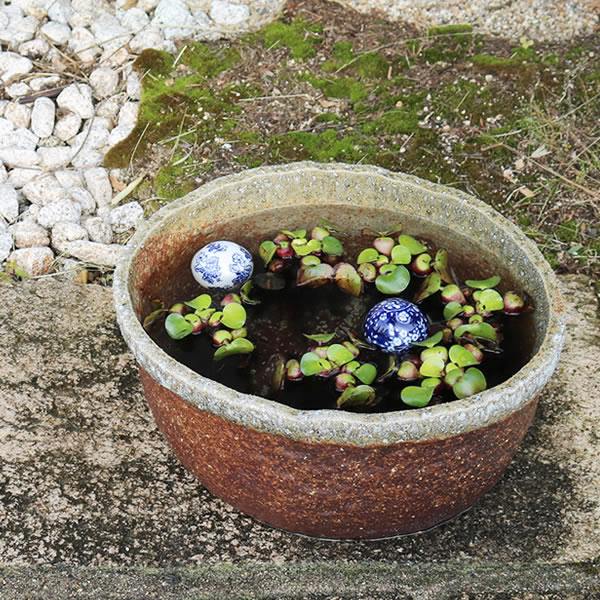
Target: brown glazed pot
<point>327,473</point>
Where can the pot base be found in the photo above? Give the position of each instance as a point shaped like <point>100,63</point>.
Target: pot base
<point>337,491</point>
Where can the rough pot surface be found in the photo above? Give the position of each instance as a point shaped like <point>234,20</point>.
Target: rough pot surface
<point>331,468</point>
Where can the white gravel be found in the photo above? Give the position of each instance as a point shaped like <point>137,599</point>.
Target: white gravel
<point>55,195</point>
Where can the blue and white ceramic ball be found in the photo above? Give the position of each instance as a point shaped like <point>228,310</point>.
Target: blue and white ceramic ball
<point>394,324</point>
<point>222,265</point>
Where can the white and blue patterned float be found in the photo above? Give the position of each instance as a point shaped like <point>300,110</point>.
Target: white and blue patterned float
<point>394,324</point>
<point>222,265</point>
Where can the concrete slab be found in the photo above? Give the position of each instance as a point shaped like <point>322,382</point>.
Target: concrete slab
<point>91,496</point>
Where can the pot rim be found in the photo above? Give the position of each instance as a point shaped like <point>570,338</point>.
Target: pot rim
<point>326,425</point>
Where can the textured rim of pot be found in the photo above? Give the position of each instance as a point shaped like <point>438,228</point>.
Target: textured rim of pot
<point>333,426</point>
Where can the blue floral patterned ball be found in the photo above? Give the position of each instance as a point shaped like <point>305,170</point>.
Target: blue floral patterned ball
<point>394,324</point>
<point>222,265</point>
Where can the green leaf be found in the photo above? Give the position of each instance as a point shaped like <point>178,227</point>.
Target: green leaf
<point>339,355</point>
<point>321,338</point>
<point>431,341</point>
<point>395,282</point>
<point>413,245</point>
<point>490,300</point>
<point>432,367</point>
<point>452,309</point>
<point>472,382</point>
<point>237,346</point>
<point>348,279</point>
<point>436,351</point>
<point>151,318</point>
<point>482,284</point>
<point>245,294</point>
<point>400,255</point>
<point>177,326</point>
<point>306,248</point>
<point>361,395</point>
<point>415,396</point>
<point>267,250</point>
<point>368,255</point>
<point>311,364</point>
<point>431,382</point>
<point>206,313</point>
<point>314,276</point>
<point>310,261</point>
<point>462,357</point>
<point>440,265</point>
<point>478,330</point>
<point>397,228</point>
<point>330,226</point>
<point>366,373</point>
<point>298,233</point>
<point>332,245</point>
<point>431,284</point>
<point>199,302</point>
<point>234,315</point>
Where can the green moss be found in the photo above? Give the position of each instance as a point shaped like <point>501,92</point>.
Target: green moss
<point>394,122</point>
<point>343,51</point>
<point>328,117</point>
<point>208,63</point>
<point>450,30</point>
<point>368,65</point>
<point>154,62</point>
<point>171,182</point>
<point>339,87</point>
<point>567,232</point>
<point>447,43</point>
<point>299,36</point>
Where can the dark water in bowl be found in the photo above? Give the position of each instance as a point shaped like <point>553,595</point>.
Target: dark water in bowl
<point>276,326</point>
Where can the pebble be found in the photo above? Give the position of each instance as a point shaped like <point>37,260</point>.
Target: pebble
<point>68,127</point>
<point>19,177</point>
<point>126,217</point>
<point>83,44</point>
<point>19,138</point>
<point>104,81</point>
<point>36,49</point>
<point>57,211</point>
<point>98,183</point>
<point>28,234</point>
<point>57,33</point>
<point>3,173</point>
<point>17,90</point>
<point>43,115</point>
<point>55,158</point>
<point>19,114</point>
<point>226,13</point>
<point>65,232</point>
<point>105,255</point>
<point>84,198</point>
<point>9,202</point>
<point>18,157</point>
<point>34,261</point>
<point>77,98</point>
<point>98,230</point>
<point>13,66</point>
<point>6,244</point>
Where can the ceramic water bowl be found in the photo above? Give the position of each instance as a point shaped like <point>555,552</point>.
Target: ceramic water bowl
<point>328,473</point>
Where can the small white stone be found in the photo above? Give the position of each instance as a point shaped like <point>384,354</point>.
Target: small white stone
<point>3,173</point>
<point>85,11</point>
<point>21,30</point>
<point>84,198</point>
<point>83,44</point>
<point>106,255</point>
<point>19,177</point>
<point>148,5</point>
<point>77,98</point>
<point>227,13</point>
<point>126,217</point>
<point>44,190</point>
<point>114,58</point>
<point>19,114</point>
<point>19,138</point>
<point>6,244</point>
<point>36,48</point>
<point>58,33</point>
<point>129,113</point>
<point>34,261</point>
<point>147,38</point>
<point>98,184</point>
<point>9,202</point>
<point>109,32</point>
<point>19,157</point>
<point>43,83</point>
<point>42,117</point>
<point>28,234</point>
<point>119,133</point>
<point>87,159</point>
<point>135,19</point>
<point>174,18</point>
<point>58,157</point>
<point>134,86</point>
<point>68,127</point>
<point>59,210</point>
<point>60,11</point>
<point>69,178</point>
<point>6,126</point>
<point>109,108</point>
<point>64,232</point>
<point>13,66</point>
<point>98,230</point>
<point>17,90</point>
<point>104,81</point>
